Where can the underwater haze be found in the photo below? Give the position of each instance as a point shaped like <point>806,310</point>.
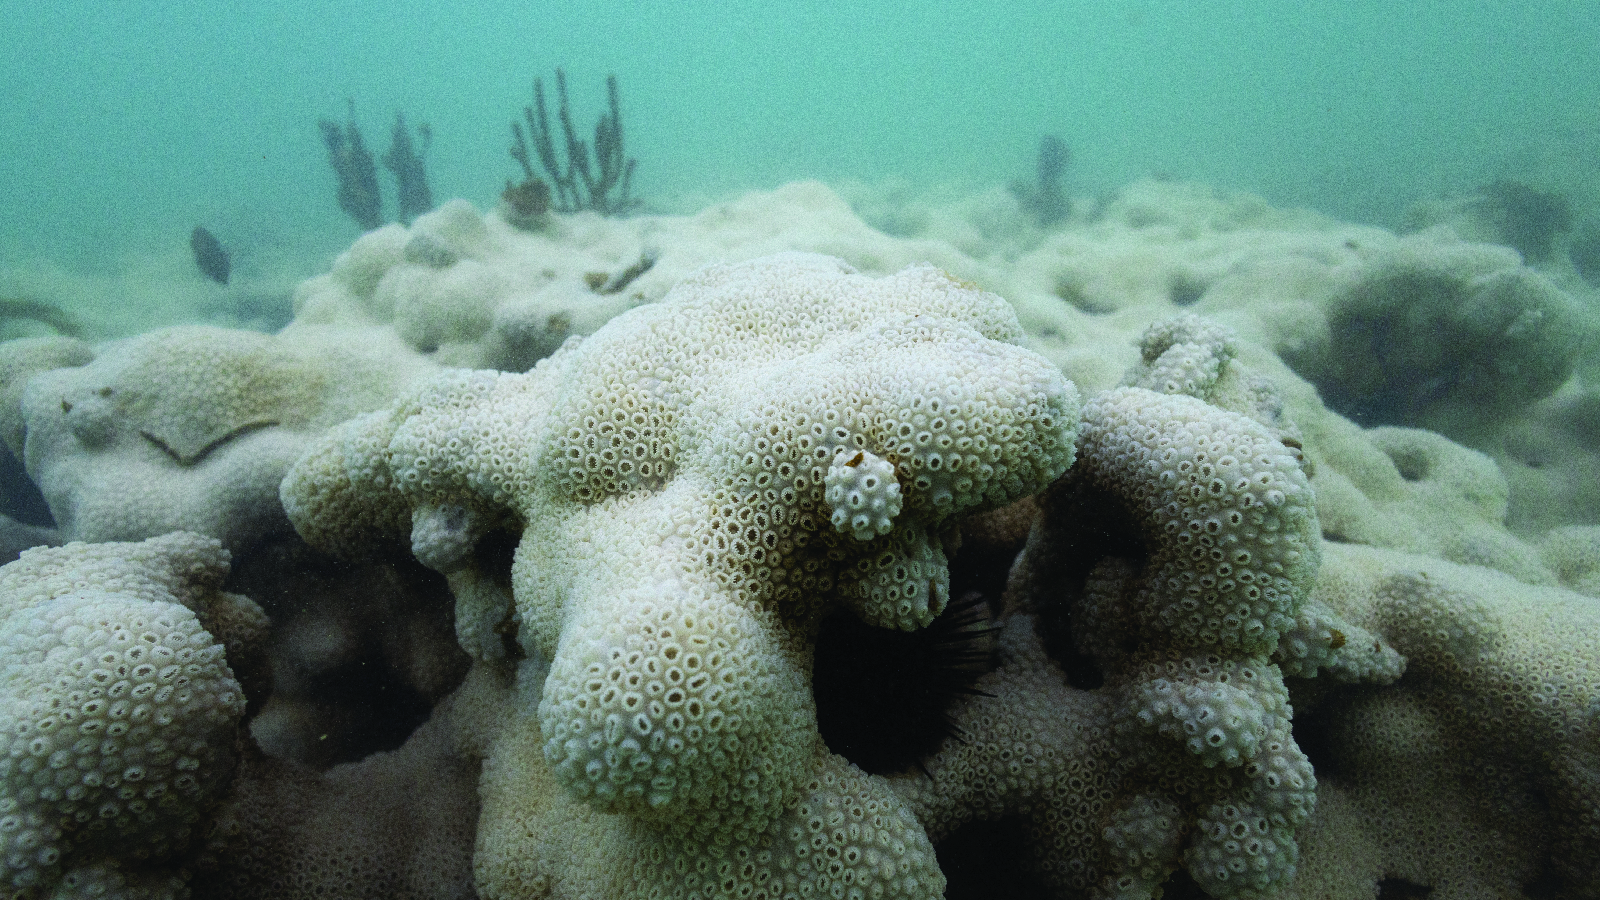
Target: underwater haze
<point>127,123</point>
<point>947,451</point>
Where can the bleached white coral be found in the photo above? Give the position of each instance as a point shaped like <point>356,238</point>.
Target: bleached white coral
<point>1220,710</point>
<point>669,475</point>
<point>191,428</point>
<point>1225,507</point>
<point>117,708</point>
<point>1180,549</point>
<point>861,489</point>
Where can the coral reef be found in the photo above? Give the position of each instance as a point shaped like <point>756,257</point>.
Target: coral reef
<point>581,183</point>
<point>605,614</point>
<point>481,291</point>
<point>694,445</point>
<point>1164,569</point>
<point>118,710</point>
<point>1475,772</point>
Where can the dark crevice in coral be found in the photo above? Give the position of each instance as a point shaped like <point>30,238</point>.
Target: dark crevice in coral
<point>1549,885</point>
<point>914,677</point>
<point>1097,530</point>
<point>987,860</point>
<point>1081,670</point>
<point>1313,732</point>
<point>19,496</point>
<point>1400,889</point>
<point>360,651</point>
<point>1180,885</point>
<point>1320,706</point>
<point>364,709</point>
<point>493,556</point>
<point>1412,463</point>
<point>980,567</point>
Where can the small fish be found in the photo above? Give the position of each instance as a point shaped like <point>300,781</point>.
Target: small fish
<point>209,255</point>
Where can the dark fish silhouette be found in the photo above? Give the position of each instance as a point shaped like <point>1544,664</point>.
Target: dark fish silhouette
<point>209,255</point>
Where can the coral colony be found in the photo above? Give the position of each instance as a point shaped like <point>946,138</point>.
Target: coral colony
<point>1203,548</point>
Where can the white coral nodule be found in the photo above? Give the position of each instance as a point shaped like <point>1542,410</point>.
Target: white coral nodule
<point>862,490</point>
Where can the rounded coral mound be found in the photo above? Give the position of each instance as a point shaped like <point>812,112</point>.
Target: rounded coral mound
<point>191,428</point>
<point>670,480</point>
<point>118,711</point>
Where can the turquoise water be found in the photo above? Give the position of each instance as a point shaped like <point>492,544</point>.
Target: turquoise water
<point>126,123</point>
